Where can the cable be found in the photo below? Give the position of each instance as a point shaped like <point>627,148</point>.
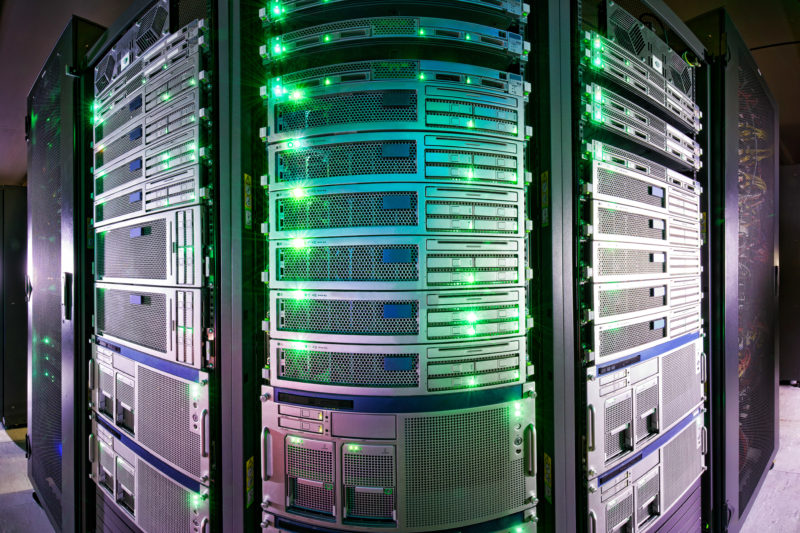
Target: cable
<point>773,45</point>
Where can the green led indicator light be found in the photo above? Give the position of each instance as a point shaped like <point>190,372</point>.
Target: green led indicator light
<point>297,193</point>
<point>326,38</point>
<point>165,96</point>
<point>298,243</point>
<point>353,448</point>
<point>422,31</point>
<point>421,76</point>
<point>472,318</point>
<point>327,81</point>
<point>597,44</point>
<point>470,123</point>
<point>598,94</point>
<point>468,37</point>
<point>472,381</point>
<point>470,173</point>
<point>295,440</point>
<point>597,61</point>
<point>470,331</point>
<point>471,278</point>
<point>469,80</point>
<point>597,116</point>
<point>297,94</point>
<point>290,144</point>
<point>299,295</point>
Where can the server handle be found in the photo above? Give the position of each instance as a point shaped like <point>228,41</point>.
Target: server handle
<point>530,450</point>
<point>66,296</point>
<point>28,288</point>
<point>266,455</point>
<point>92,453</point>
<point>592,522</point>
<point>204,433</point>
<point>91,375</point>
<point>590,429</point>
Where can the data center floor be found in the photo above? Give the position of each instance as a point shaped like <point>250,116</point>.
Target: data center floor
<point>19,513</point>
<point>776,507</point>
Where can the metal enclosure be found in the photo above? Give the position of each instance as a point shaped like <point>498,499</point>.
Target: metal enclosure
<point>621,175</point>
<point>744,255</point>
<point>789,282</point>
<point>59,312</point>
<point>13,291</point>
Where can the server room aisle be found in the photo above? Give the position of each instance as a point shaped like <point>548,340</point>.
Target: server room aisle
<point>776,508</point>
<point>19,513</point>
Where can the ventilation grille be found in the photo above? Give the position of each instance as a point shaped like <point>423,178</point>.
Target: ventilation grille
<point>120,146</point>
<point>144,324</point>
<point>646,411</point>
<point>627,31</point>
<point>618,418</point>
<point>354,317</point>
<point>151,27</point>
<point>363,470</point>
<point>612,301</point>
<point>680,384</point>
<point>626,187</point>
<point>121,117</point>
<point>349,263</point>
<point>312,496</point>
<point>119,176</point>
<point>369,505</point>
<point>647,496</point>
<point>351,210</point>
<point>347,108</point>
<point>629,159</point>
<point>103,74</point>
<point>458,468</point>
<point>379,69</point>
<point>137,251</point>
<point>164,506</point>
<point>310,473</point>
<point>394,26</point>
<point>624,224</point>
<point>615,340</point>
<point>348,159</point>
<point>620,512</point>
<point>165,415</point>
<point>682,464</point>
<point>118,207</point>
<point>622,262</point>
<point>349,369</point>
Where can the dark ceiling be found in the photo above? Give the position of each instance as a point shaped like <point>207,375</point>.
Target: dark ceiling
<point>30,28</point>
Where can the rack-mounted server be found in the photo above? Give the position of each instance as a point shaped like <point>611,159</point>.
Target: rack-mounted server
<point>153,360</point>
<point>397,269</point>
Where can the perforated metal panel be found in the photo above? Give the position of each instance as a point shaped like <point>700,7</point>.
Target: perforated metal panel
<point>628,262</point>
<point>623,339</point>
<point>164,506</point>
<point>627,187</point>
<point>619,511</point>
<point>165,420</point>
<point>119,314</point>
<point>617,222</point>
<point>348,210</point>
<point>135,251</point>
<point>680,383</point>
<point>350,369</point>
<point>310,467</point>
<point>648,498</point>
<point>646,418</point>
<point>348,263</point>
<point>683,462</point>
<point>368,475</point>
<point>623,300</point>
<point>348,316</point>
<point>618,421</point>
<point>457,468</point>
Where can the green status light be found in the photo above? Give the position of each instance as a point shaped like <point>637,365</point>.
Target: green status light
<point>326,38</point>
<point>422,31</point>
<point>422,76</point>
<point>353,448</point>
<point>297,193</point>
<point>468,37</point>
<point>327,81</point>
<point>472,318</point>
<point>298,243</point>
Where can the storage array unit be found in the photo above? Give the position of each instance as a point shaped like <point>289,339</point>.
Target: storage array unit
<point>152,350</point>
<point>398,392</point>
<point>639,278</point>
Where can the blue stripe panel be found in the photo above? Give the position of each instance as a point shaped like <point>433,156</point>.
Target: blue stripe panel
<point>136,232</point>
<point>135,299</point>
<point>157,463</point>
<point>649,353</point>
<point>136,103</point>
<point>397,311</point>
<point>658,324</point>
<point>135,165</point>
<point>658,192</point>
<point>398,364</point>
<point>396,150</point>
<point>175,369</point>
<point>397,256</point>
<point>397,201</point>
<point>650,448</point>
<point>135,197</point>
<point>400,404</point>
<point>135,134</point>
<point>506,522</point>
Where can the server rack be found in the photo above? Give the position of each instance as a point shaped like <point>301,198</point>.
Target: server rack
<point>153,181</point>
<point>745,255</point>
<point>58,294</point>
<point>398,390</point>
<point>622,181</point>
<point>13,381</point>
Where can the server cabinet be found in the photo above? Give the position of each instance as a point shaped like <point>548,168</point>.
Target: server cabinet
<point>59,310</point>
<point>13,381</point>
<point>398,391</point>
<point>620,333</point>
<point>745,178</point>
<point>789,362</point>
